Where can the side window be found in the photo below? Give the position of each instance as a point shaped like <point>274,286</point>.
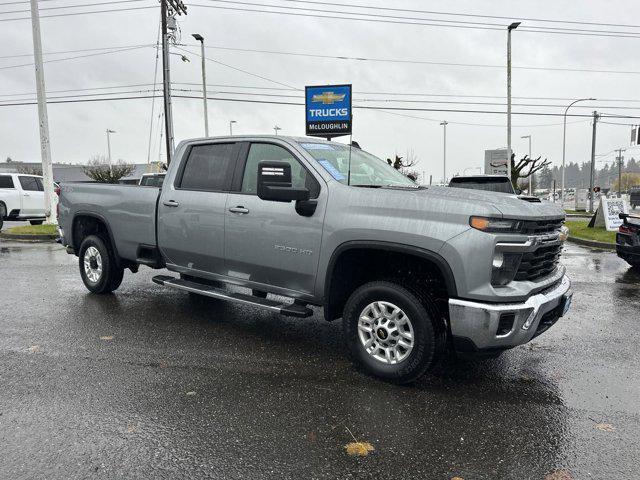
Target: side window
<point>258,152</point>
<point>208,167</point>
<point>6,181</point>
<point>40,184</point>
<point>30,184</point>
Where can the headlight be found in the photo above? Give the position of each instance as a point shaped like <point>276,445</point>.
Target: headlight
<point>496,225</point>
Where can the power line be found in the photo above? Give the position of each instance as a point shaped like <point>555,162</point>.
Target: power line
<point>77,50</point>
<point>74,57</point>
<point>340,15</point>
<point>510,19</point>
<point>55,15</point>
<point>59,7</point>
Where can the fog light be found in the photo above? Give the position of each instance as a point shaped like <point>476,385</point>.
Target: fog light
<point>505,267</point>
<point>530,319</point>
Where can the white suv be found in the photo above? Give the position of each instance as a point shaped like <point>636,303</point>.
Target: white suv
<point>22,198</point>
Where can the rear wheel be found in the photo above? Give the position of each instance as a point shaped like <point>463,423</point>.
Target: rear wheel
<point>393,332</point>
<point>98,266</point>
<point>3,213</point>
<point>36,222</point>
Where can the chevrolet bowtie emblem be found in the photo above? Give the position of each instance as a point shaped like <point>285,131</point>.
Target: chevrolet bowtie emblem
<point>327,98</point>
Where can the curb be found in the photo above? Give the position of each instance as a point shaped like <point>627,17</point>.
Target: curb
<point>29,238</point>
<point>592,243</point>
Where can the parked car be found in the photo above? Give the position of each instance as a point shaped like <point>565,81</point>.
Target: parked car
<point>634,196</point>
<point>628,239</point>
<point>411,270</point>
<point>22,198</point>
<point>151,179</point>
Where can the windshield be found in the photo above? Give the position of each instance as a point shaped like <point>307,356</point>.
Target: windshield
<point>501,185</point>
<point>366,169</point>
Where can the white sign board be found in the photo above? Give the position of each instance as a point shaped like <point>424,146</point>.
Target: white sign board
<point>582,196</point>
<point>495,162</point>
<point>609,211</point>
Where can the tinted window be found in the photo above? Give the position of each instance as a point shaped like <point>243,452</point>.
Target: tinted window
<point>30,184</point>
<point>152,181</point>
<point>478,183</point>
<point>208,167</point>
<point>41,185</point>
<point>300,177</point>
<point>6,181</point>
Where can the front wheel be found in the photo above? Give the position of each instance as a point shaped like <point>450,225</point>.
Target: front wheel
<point>392,332</point>
<point>98,266</point>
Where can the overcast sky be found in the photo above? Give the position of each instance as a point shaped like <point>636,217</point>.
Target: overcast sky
<point>78,129</point>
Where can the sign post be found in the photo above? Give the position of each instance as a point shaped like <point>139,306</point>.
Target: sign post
<point>328,111</point>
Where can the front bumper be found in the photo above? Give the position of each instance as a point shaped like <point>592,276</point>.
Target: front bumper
<point>486,327</point>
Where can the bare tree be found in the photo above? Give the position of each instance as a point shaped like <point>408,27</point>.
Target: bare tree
<point>526,167</point>
<point>98,169</point>
<point>29,169</point>
<point>398,163</point>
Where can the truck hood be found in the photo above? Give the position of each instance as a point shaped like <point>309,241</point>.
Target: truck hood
<point>511,206</point>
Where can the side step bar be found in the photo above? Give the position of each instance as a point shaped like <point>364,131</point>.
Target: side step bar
<point>288,309</point>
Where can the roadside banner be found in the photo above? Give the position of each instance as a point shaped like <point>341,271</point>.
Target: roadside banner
<point>608,214</point>
<point>328,110</point>
<point>581,198</point>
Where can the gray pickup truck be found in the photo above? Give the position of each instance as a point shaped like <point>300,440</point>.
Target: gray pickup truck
<point>413,271</point>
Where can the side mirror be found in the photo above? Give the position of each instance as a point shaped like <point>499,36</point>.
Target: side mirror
<point>274,183</point>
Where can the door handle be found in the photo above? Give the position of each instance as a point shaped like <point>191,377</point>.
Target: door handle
<point>239,209</point>
<point>170,203</point>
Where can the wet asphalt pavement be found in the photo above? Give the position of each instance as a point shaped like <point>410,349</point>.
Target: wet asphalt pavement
<point>148,383</point>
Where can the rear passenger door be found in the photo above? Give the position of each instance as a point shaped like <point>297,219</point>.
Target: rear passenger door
<point>191,210</point>
<point>32,196</point>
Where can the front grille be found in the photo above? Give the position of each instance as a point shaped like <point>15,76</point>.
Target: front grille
<point>539,263</point>
<point>536,227</point>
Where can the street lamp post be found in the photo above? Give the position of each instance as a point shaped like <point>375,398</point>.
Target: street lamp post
<point>511,27</point>
<point>444,152</point>
<point>564,140</point>
<point>276,128</point>
<point>530,181</point>
<point>109,132</point>
<point>200,39</point>
<point>231,122</point>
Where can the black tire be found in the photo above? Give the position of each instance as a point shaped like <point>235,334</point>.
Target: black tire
<point>36,222</point>
<point>110,277</point>
<point>428,331</point>
<point>3,213</point>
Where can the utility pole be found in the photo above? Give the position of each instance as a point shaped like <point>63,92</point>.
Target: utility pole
<point>620,158</point>
<point>43,118</point>
<point>444,153</point>
<point>511,27</point>
<point>200,39</point>
<point>109,146</point>
<point>231,122</point>
<point>276,128</point>
<point>593,161</point>
<point>564,139</point>
<point>168,10</point>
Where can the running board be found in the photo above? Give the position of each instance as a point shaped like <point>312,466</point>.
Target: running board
<point>288,309</point>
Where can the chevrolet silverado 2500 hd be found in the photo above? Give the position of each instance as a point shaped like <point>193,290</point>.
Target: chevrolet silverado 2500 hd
<point>412,271</point>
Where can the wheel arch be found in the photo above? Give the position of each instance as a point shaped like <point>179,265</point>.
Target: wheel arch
<point>88,223</point>
<point>334,301</point>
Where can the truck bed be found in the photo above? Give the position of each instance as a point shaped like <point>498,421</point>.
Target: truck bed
<point>129,210</point>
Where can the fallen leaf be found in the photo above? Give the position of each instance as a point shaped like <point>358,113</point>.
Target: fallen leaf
<point>360,449</point>
<point>106,337</point>
<point>312,436</point>
<point>457,478</point>
<point>131,428</point>
<point>163,364</point>
<point>605,427</point>
<point>560,474</point>
<point>191,393</point>
<point>34,349</point>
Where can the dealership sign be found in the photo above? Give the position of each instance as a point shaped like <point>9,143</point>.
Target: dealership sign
<point>328,110</point>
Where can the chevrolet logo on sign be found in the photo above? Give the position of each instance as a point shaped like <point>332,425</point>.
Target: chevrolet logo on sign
<point>328,98</point>
<point>328,110</point>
